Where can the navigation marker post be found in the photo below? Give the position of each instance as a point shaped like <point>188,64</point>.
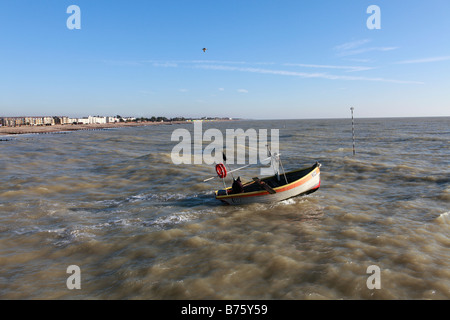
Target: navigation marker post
<point>353,131</point>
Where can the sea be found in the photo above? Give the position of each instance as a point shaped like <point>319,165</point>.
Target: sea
<point>106,214</point>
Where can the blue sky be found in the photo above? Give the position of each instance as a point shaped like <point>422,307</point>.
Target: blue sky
<point>265,59</point>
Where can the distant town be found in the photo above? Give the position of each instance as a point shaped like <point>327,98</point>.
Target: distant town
<point>62,120</point>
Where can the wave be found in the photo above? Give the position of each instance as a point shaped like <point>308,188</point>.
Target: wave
<point>444,218</point>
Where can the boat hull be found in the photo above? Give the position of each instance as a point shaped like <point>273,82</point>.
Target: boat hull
<point>308,183</point>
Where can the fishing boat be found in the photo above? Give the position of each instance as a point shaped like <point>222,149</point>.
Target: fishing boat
<point>274,188</point>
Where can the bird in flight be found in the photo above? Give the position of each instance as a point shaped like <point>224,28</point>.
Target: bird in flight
<point>204,49</point>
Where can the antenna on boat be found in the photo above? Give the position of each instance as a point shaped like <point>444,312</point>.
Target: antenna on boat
<point>271,162</point>
<point>224,157</point>
<point>224,184</point>
<point>282,168</point>
<point>353,131</point>
<point>277,156</point>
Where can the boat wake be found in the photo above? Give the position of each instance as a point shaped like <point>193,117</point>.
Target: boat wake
<point>175,199</point>
<point>91,220</point>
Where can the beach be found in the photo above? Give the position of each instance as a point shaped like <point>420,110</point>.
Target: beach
<point>76,127</point>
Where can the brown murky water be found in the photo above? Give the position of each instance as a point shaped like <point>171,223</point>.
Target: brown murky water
<point>139,227</point>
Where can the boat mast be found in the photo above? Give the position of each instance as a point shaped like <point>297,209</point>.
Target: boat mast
<point>276,155</point>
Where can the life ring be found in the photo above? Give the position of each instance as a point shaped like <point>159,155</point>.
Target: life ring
<point>221,170</point>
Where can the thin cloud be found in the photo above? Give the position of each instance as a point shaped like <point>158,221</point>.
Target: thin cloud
<point>259,70</point>
<point>364,50</point>
<point>346,68</point>
<point>240,66</point>
<point>242,90</point>
<point>165,64</point>
<point>219,61</point>
<point>303,74</point>
<point>175,63</point>
<point>425,60</point>
<point>356,47</point>
<point>351,45</point>
<point>359,60</point>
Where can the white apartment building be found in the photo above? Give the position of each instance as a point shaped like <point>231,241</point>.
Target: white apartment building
<point>96,120</point>
<point>111,119</point>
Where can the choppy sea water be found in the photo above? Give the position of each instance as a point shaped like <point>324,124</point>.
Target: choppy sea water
<point>139,227</point>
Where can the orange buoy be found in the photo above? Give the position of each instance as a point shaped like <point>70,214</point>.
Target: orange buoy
<point>221,170</point>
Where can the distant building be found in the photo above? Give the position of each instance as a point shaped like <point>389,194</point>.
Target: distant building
<point>48,121</point>
<point>13,121</point>
<point>111,120</point>
<point>84,120</point>
<point>65,120</point>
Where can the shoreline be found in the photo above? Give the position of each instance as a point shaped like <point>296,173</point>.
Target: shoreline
<point>76,127</point>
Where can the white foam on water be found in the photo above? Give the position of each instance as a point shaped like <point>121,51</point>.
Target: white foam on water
<point>163,197</point>
<point>25,231</point>
<point>444,218</point>
<point>179,217</point>
<point>139,197</point>
<point>171,220</point>
<point>124,222</point>
<point>108,202</point>
<point>57,231</point>
<point>287,202</point>
<point>66,236</point>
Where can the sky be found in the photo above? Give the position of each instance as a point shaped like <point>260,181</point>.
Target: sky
<point>264,59</point>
